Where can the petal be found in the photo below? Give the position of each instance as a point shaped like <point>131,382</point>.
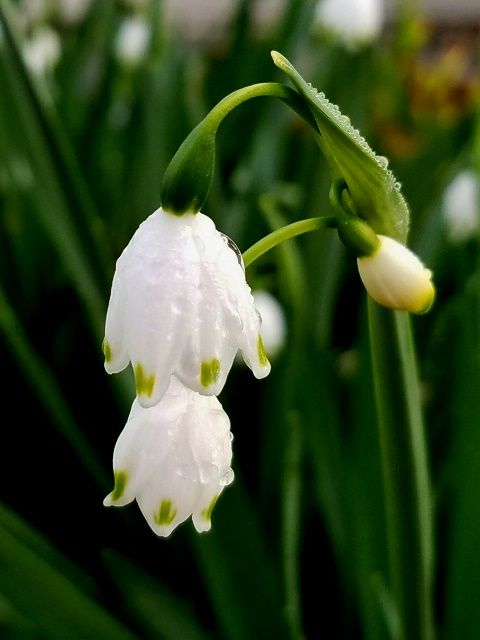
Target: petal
<point>114,344</point>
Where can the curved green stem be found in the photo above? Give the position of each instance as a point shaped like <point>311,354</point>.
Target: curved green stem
<point>238,97</point>
<point>407,496</point>
<point>285,233</point>
<point>189,175</point>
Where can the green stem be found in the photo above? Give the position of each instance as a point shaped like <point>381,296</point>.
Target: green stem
<point>286,233</point>
<point>291,508</point>
<point>259,90</point>
<point>189,175</point>
<point>407,496</point>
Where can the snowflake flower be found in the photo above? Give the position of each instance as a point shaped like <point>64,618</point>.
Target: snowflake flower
<point>180,304</point>
<point>174,458</point>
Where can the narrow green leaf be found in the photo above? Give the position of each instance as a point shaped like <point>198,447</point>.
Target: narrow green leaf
<point>38,544</point>
<point>375,192</point>
<point>235,562</point>
<point>50,601</point>
<point>462,586</point>
<point>45,386</point>
<point>158,611</point>
<point>291,494</point>
<point>408,505</point>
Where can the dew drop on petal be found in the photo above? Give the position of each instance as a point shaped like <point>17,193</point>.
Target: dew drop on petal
<point>231,245</point>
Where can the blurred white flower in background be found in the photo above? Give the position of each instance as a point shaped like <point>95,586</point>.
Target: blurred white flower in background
<point>460,207</point>
<point>72,12</point>
<point>174,458</point>
<point>41,51</point>
<point>273,326</point>
<point>30,13</point>
<point>353,22</point>
<point>396,278</point>
<point>132,41</point>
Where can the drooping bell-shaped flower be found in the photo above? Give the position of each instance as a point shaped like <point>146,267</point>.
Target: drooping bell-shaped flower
<point>174,458</point>
<point>396,278</point>
<point>180,304</point>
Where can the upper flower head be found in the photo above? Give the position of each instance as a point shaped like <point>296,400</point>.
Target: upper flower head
<point>174,458</point>
<point>396,278</point>
<point>180,304</point>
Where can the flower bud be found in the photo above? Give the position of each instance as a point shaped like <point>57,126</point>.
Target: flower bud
<point>396,278</point>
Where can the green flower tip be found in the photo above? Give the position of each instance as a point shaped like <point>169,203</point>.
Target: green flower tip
<point>207,512</point>
<point>107,351</point>
<point>262,356</point>
<point>165,514</point>
<point>209,372</point>
<point>144,384</point>
<point>120,482</point>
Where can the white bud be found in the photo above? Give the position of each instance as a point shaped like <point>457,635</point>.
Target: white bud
<point>396,278</point>
<point>460,207</point>
<point>354,22</point>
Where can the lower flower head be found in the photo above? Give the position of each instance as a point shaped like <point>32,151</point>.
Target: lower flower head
<point>396,278</point>
<point>174,458</point>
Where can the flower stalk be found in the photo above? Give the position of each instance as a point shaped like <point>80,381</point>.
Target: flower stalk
<point>286,233</point>
<point>189,175</point>
<point>408,507</point>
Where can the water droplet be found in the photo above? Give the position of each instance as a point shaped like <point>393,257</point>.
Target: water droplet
<point>382,161</point>
<point>226,477</point>
<point>231,244</point>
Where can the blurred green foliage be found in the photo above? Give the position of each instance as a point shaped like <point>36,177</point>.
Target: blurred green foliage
<point>298,543</point>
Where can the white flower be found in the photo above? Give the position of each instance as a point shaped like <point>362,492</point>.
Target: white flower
<point>174,458</point>
<point>273,327</point>
<point>354,22</point>
<point>42,50</point>
<point>72,12</point>
<point>180,304</point>
<point>396,278</point>
<point>460,207</point>
<point>132,40</point>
